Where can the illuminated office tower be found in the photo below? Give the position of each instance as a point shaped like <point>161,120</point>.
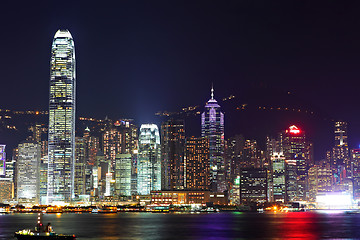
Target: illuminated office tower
<point>233,153</point>
<point>172,152</point>
<point>101,168</point>
<point>10,169</point>
<point>253,185</point>
<point>6,190</point>
<point>278,177</point>
<point>108,184</point>
<point>294,147</point>
<point>43,175</point>
<point>123,174</point>
<point>80,165</point>
<point>2,161</point>
<point>355,159</point>
<point>28,169</point>
<point>212,127</point>
<point>92,147</point>
<point>320,177</point>
<point>61,134</point>
<point>43,178</point>
<point>197,164</point>
<point>340,152</point>
<point>36,130</point>
<point>149,160</point>
<point>119,137</point>
<point>111,143</point>
<point>6,177</point>
<point>340,133</point>
<point>129,136</point>
<point>251,155</point>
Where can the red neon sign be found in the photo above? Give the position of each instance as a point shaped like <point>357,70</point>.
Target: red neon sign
<point>294,129</point>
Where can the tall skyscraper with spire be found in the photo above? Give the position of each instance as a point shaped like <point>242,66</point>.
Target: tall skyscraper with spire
<point>212,127</point>
<point>61,146</point>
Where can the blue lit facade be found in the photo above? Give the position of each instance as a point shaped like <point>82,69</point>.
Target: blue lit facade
<point>212,127</point>
<point>2,160</point>
<point>61,136</point>
<point>149,160</point>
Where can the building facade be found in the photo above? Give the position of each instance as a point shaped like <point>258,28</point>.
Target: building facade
<point>294,148</point>
<point>340,151</point>
<point>6,190</point>
<point>80,166</point>
<point>28,169</point>
<point>233,155</point>
<point>320,181</point>
<point>61,136</point>
<point>278,177</point>
<point>2,161</point>
<point>253,185</point>
<point>172,152</point>
<point>197,166</point>
<point>123,174</point>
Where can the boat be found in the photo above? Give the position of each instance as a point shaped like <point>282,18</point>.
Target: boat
<point>105,209</point>
<point>41,232</point>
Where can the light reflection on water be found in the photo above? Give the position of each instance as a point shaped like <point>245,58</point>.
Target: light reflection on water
<point>136,226</point>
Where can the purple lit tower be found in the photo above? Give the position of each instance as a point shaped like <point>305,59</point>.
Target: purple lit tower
<point>2,160</point>
<point>212,127</point>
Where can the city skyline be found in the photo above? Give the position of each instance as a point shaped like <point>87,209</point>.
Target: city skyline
<point>199,110</point>
<point>177,166</point>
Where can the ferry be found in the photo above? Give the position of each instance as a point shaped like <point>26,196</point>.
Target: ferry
<point>104,209</point>
<point>41,232</point>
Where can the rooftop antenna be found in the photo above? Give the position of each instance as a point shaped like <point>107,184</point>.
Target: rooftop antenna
<point>212,91</point>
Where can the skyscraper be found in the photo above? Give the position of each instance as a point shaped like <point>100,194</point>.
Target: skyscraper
<point>355,159</point>
<point>233,153</point>
<point>80,165</point>
<point>320,177</point>
<point>340,131</point>
<point>61,118</point>
<point>2,160</point>
<point>340,152</point>
<point>278,176</point>
<point>253,185</point>
<point>123,174</point>
<point>149,160</point>
<point>28,168</point>
<point>111,142</point>
<point>119,137</point>
<point>197,164</point>
<point>294,147</point>
<point>172,151</point>
<point>212,127</point>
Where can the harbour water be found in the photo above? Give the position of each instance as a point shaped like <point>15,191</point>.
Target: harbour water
<point>293,225</point>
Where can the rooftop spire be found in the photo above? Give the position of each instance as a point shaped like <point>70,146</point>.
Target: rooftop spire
<point>62,33</point>
<point>212,91</point>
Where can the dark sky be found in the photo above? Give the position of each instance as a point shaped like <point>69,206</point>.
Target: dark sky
<point>135,58</point>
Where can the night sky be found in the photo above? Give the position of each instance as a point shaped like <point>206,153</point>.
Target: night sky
<point>135,58</point>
